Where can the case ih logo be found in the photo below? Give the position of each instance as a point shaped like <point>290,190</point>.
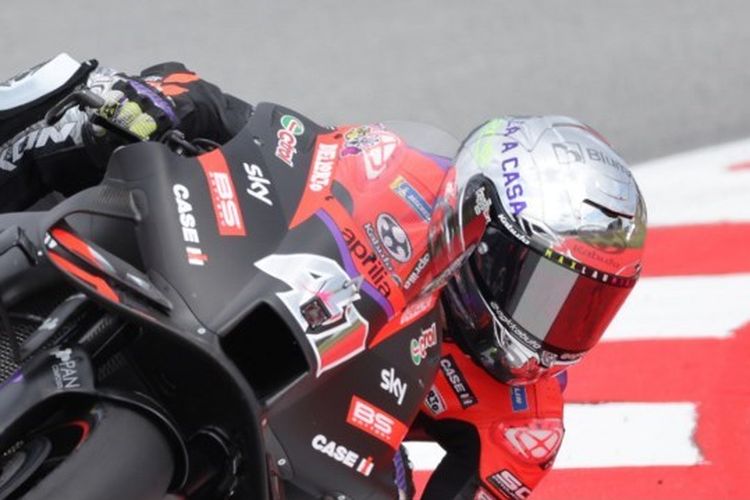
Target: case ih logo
<point>286,147</point>
<point>375,422</point>
<point>223,195</point>
<point>195,255</point>
<point>343,455</point>
<point>419,346</point>
<point>458,383</point>
<point>342,332</point>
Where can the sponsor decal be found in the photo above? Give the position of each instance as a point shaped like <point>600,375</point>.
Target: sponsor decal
<point>65,371</point>
<point>518,399</point>
<point>286,146</point>
<point>488,150</point>
<point>602,157</point>
<point>390,383</point>
<point>374,267</point>
<point>195,255</point>
<point>572,152</point>
<point>223,195</point>
<point>375,144</point>
<point>513,229</point>
<point>258,188</point>
<point>458,382</point>
<point>417,309</point>
<point>378,246</point>
<point>343,455</point>
<point>406,191</point>
<point>420,346</point>
<point>416,272</point>
<point>568,152</point>
<point>394,238</point>
<point>435,402</point>
<point>482,204</point>
<point>35,139</point>
<point>594,274</point>
<point>325,156</point>
<point>342,331</point>
<point>483,494</point>
<point>537,444</point>
<point>511,325</point>
<point>509,484</point>
<point>376,422</point>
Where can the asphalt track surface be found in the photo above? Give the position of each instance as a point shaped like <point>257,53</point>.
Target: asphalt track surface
<point>655,77</point>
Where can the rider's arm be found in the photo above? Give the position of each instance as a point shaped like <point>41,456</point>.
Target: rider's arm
<point>500,441</point>
<point>37,159</point>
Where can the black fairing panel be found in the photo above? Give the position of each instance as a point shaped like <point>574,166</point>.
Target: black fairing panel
<point>218,276</point>
<point>181,240</point>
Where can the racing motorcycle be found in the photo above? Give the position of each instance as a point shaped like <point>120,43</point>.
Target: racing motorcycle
<point>211,321</point>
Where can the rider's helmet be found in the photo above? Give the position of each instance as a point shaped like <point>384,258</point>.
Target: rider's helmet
<point>548,226</point>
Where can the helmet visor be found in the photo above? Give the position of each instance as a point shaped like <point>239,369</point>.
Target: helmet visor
<point>544,299</point>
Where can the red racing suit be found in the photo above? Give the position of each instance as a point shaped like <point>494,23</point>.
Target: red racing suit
<point>500,440</point>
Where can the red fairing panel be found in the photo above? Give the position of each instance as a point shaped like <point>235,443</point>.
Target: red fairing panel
<point>391,188</point>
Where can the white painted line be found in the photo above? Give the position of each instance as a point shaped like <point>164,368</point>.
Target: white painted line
<point>629,435</point>
<point>611,435</point>
<point>697,187</point>
<point>683,307</point>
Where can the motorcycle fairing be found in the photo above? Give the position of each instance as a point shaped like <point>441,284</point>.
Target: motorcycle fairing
<point>204,227</point>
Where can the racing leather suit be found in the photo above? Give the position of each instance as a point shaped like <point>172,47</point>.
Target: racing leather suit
<point>500,440</point>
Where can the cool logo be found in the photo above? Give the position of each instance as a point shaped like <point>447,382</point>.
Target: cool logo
<point>195,255</point>
<point>286,146</point>
<point>343,455</point>
<point>322,167</point>
<point>419,346</point>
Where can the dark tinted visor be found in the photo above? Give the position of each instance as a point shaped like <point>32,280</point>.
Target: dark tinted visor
<point>557,301</point>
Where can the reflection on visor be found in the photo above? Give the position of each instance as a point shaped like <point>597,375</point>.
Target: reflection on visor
<point>541,300</point>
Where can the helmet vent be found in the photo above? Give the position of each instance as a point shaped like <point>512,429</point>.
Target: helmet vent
<point>607,211</point>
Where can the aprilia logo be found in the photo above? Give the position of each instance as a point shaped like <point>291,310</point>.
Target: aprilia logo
<point>223,195</point>
<point>377,423</point>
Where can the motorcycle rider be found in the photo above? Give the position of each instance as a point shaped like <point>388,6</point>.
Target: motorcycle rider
<point>541,220</point>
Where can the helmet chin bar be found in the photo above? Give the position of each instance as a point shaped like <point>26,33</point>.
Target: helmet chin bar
<point>521,363</point>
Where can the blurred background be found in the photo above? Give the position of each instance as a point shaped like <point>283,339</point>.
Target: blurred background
<point>658,410</point>
<point>654,77</point>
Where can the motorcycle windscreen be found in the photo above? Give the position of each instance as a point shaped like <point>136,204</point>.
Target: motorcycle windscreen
<point>558,306</point>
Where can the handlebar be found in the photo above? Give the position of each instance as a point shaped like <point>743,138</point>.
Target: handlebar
<point>86,100</point>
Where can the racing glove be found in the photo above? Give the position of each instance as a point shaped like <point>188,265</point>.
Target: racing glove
<point>133,105</point>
